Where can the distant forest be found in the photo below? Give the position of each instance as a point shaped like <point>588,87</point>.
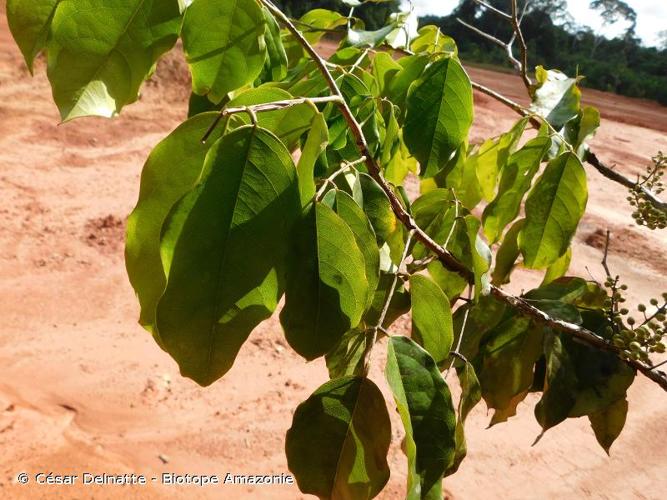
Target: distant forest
<point>555,40</point>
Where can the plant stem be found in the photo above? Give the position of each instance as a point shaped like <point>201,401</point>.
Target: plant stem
<point>269,106</point>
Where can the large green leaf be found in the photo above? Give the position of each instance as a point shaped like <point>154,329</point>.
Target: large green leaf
<point>427,412</point>
<point>338,443</point>
<point>553,211</point>
<point>224,45</point>
<point>506,364</point>
<point>227,247</point>
<point>30,22</point>
<point>101,51</point>
<point>515,182</point>
<point>431,317</point>
<point>439,114</point>
<point>327,288</point>
<point>172,169</point>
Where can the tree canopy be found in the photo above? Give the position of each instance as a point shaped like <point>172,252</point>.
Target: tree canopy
<point>621,65</point>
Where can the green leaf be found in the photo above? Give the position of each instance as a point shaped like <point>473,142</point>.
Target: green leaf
<point>439,114</point>
<point>198,104</point>
<point>327,288</point>
<point>435,212</point>
<point>431,318</point>
<point>173,168</point>
<point>431,40</point>
<point>30,22</point>
<point>515,182</point>
<point>553,210</point>
<point>506,364</point>
<point>556,97</point>
<point>399,85</point>
<point>324,20</point>
<point>471,394</point>
<point>363,38</point>
<point>101,51</point>
<point>356,219</point>
<point>582,129</point>
<point>427,412</point>
<point>229,247</point>
<point>338,443</point>
<point>609,422</point>
<point>224,45</point>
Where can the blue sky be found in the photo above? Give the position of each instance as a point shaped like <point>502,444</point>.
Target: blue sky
<point>651,16</point>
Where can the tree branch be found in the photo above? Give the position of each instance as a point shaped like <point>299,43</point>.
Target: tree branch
<point>516,25</point>
<point>448,260</point>
<point>493,9</point>
<point>585,336</point>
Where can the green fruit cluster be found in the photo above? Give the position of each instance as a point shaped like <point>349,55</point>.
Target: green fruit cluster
<point>646,213</point>
<point>637,339</point>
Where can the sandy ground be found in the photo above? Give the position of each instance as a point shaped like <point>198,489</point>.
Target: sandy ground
<point>84,389</point>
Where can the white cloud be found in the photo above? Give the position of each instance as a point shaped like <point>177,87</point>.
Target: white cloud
<point>651,16</point>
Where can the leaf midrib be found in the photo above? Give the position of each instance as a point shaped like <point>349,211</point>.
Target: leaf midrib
<point>223,260</point>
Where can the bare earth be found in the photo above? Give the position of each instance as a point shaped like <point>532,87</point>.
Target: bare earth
<point>84,389</point>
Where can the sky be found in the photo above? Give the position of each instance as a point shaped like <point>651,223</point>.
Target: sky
<point>651,16</point>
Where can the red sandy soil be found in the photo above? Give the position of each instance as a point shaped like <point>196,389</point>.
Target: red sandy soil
<point>84,389</point>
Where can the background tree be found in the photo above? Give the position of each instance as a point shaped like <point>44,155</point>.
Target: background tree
<point>621,65</point>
